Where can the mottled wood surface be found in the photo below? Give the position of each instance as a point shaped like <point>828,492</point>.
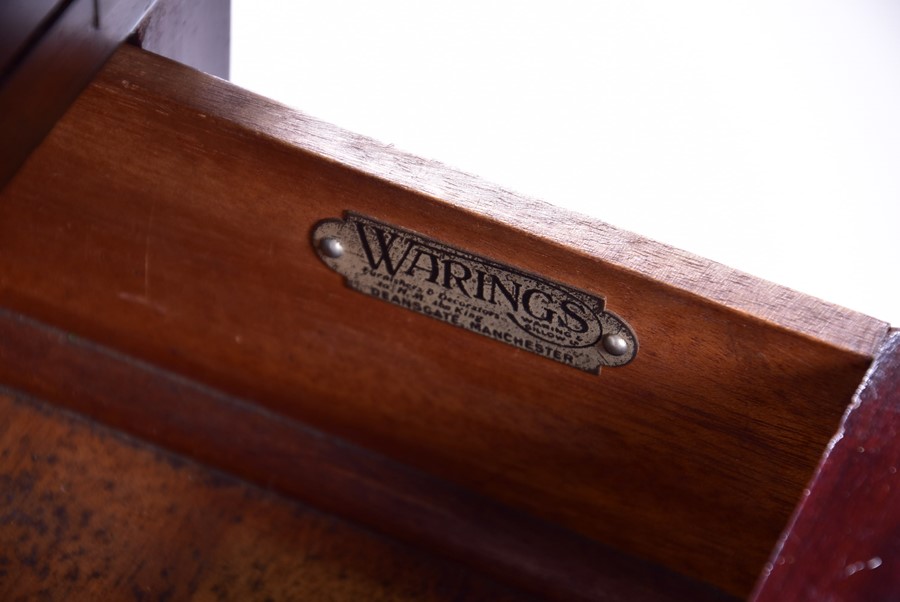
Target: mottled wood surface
<point>87,514</point>
<point>168,215</point>
<point>843,544</point>
<point>333,475</point>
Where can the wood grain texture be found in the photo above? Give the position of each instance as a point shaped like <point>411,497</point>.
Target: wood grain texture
<point>843,544</point>
<point>332,475</point>
<point>86,514</point>
<point>578,234</point>
<point>168,215</point>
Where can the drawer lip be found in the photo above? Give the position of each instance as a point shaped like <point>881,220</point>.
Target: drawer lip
<point>168,216</point>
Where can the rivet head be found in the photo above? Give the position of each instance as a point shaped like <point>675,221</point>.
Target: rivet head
<point>615,344</point>
<point>331,247</point>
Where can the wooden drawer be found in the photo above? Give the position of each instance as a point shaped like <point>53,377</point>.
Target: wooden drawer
<point>158,274</point>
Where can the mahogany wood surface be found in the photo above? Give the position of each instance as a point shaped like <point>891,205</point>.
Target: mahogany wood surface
<point>843,543</point>
<point>335,476</point>
<point>168,216</point>
<point>88,514</point>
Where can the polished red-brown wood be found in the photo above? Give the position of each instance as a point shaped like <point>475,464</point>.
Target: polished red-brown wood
<point>168,216</point>
<point>332,475</point>
<point>843,543</point>
<point>89,514</point>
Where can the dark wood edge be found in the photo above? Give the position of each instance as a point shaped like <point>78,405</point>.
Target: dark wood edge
<point>76,38</point>
<point>843,542</point>
<point>22,25</point>
<point>58,64</point>
<point>323,471</point>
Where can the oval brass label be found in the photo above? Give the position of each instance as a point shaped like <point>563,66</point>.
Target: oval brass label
<point>524,310</point>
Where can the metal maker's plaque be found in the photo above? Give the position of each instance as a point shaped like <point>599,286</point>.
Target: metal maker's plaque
<point>524,310</point>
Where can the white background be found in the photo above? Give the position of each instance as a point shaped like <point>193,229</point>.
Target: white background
<point>764,135</point>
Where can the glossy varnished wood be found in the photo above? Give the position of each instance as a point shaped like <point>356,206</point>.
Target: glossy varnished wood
<point>330,474</point>
<point>168,215</point>
<point>86,514</point>
<point>844,540</point>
